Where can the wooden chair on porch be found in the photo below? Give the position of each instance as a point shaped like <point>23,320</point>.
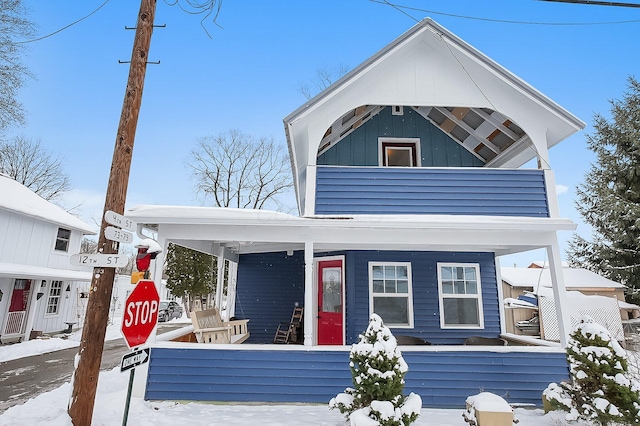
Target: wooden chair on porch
<point>290,332</point>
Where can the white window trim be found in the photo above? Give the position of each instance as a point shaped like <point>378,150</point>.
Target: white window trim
<point>478,297</point>
<point>415,141</point>
<point>55,242</point>
<point>409,294</point>
<point>59,297</point>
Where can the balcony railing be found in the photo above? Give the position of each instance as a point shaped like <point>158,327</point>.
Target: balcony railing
<point>455,191</point>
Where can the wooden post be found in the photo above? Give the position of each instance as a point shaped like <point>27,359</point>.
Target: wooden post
<point>85,377</point>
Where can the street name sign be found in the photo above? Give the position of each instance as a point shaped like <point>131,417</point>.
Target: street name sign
<point>98,260</point>
<point>117,234</point>
<point>115,219</point>
<point>134,359</point>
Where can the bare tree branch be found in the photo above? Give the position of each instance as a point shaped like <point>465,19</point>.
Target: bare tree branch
<point>31,165</point>
<point>324,78</point>
<point>13,25</point>
<point>234,169</point>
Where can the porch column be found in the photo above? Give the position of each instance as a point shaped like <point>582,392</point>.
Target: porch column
<point>156,276</point>
<point>159,265</point>
<point>503,328</point>
<point>231,291</point>
<point>31,309</point>
<point>219,253</point>
<point>309,309</point>
<point>559,291</point>
<point>552,196</point>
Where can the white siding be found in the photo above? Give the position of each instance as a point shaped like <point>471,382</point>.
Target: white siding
<point>31,241</point>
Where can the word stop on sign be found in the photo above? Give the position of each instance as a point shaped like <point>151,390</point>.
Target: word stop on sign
<point>140,312</point>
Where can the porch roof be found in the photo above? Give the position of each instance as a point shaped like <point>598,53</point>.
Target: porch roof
<point>17,270</point>
<point>253,231</point>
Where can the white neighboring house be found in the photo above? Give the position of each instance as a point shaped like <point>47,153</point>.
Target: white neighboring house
<point>40,291</point>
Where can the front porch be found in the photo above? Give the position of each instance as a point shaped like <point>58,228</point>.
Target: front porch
<point>444,376</point>
<point>276,262</point>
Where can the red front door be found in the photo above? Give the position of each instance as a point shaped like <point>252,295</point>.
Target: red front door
<point>330,302</point>
<point>20,296</point>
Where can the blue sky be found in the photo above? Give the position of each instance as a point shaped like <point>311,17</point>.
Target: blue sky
<point>247,76</point>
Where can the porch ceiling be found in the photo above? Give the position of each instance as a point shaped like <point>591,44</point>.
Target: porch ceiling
<point>485,133</point>
<point>254,231</point>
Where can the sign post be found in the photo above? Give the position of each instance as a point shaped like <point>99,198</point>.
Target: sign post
<point>140,317</point>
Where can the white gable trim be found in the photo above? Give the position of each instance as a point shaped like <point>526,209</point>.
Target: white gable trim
<point>427,66</point>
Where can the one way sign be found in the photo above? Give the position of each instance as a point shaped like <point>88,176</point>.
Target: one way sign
<point>134,359</point>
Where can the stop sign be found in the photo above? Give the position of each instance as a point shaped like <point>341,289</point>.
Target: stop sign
<point>140,313</point>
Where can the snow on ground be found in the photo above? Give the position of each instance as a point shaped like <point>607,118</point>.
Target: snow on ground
<point>64,341</point>
<point>50,409</point>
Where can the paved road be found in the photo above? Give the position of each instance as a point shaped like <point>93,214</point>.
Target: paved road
<point>25,378</point>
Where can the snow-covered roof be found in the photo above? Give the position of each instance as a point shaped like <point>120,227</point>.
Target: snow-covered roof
<point>626,305</point>
<point>20,199</point>
<point>428,67</point>
<point>573,277</point>
<point>545,264</point>
<point>17,270</point>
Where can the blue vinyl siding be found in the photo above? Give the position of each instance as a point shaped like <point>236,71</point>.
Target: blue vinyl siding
<point>360,148</point>
<point>401,190</point>
<point>426,308</point>
<point>442,378</point>
<point>268,287</point>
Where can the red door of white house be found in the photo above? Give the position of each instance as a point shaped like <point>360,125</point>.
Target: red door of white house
<point>331,302</point>
<point>18,307</point>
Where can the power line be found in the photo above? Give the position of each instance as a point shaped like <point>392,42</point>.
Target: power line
<point>441,37</point>
<point>402,9</point>
<point>65,27</point>
<point>596,3</point>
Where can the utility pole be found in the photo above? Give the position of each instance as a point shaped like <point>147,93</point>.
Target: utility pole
<point>85,377</point>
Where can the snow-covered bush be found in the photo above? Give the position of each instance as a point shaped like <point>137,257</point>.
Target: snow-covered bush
<point>600,389</point>
<point>378,371</point>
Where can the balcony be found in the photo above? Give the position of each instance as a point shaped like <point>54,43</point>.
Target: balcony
<point>454,191</point>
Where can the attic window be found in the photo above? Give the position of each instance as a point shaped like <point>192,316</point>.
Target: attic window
<point>397,110</point>
<point>399,152</point>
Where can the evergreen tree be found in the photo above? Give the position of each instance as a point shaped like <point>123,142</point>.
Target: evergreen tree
<point>600,389</point>
<point>378,371</point>
<point>609,198</point>
<point>190,273</point>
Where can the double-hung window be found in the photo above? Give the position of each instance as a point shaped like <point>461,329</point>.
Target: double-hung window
<point>390,293</point>
<point>62,239</point>
<point>53,301</point>
<point>460,295</point>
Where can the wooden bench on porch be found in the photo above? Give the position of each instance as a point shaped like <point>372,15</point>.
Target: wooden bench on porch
<point>208,327</point>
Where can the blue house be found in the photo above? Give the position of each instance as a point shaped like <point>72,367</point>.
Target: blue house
<point>409,183</point>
